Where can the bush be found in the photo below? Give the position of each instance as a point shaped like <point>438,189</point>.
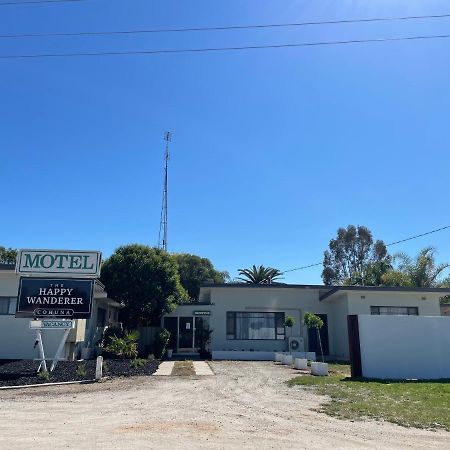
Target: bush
<point>138,362</point>
<point>125,347</point>
<point>161,343</point>
<point>203,333</point>
<point>289,322</point>
<point>81,371</point>
<point>44,375</point>
<point>108,333</point>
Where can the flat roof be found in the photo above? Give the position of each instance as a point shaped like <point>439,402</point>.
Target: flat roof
<point>272,285</point>
<point>330,290</point>
<point>443,291</point>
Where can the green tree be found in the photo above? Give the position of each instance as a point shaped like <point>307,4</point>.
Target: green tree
<point>421,271</point>
<point>259,275</point>
<point>354,258</point>
<point>310,320</point>
<point>394,278</point>
<point>289,322</point>
<point>145,280</point>
<point>8,255</point>
<point>195,271</point>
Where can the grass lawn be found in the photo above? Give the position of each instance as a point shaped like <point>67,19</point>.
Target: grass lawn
<point>421,404</point>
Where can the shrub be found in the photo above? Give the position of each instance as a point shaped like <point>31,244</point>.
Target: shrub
<point>289,322</point>
<point>44,375</point>
<point>81,371</point>
<point>108,333</point>
<point>203,333</point>
<point>138,362</point>
<point>161,342</point>
<point>125,347</point>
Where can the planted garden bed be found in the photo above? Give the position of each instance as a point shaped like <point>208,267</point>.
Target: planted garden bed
<point>18,373</point>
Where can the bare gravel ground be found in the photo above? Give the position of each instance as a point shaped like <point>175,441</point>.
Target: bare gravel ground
<point>246,405</point>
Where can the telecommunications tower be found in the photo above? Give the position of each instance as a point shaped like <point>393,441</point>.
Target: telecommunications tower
<point>162,239</point>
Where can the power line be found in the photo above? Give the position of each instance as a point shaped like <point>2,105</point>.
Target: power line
<point>224,28</point>
<point>31,2</point>
<point>222,49</point>
<point>387,245</point>
<point>418,236</point>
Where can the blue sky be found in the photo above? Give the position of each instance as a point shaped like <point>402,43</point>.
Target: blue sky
<point>272,150</point>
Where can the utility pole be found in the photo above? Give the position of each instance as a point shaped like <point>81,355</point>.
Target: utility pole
<point>162,239</point>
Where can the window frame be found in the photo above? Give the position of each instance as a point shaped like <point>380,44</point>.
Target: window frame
<point>407,308</point>
<point>233,316</point>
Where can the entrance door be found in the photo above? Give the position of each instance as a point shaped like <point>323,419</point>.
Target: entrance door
<point>313,340</point>
<point>186,334</point>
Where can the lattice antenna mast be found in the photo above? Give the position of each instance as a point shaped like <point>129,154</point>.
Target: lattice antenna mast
<point>162,239</point>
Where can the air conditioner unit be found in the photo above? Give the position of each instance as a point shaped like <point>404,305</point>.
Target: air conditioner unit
<point>296,344</point>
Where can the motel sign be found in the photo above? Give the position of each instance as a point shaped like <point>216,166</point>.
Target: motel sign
<point>67,263</point>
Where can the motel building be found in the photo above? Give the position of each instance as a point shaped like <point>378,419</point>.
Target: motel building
<point>248,319</point>
<point>17,340</point>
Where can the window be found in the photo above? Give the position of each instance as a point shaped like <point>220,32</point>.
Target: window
<point>255,325</point>
<point>394,310</point>
<point>7,305</point>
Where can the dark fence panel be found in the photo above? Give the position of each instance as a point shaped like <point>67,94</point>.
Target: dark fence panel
<point>354,347</point>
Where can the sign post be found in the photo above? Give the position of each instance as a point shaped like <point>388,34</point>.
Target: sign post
<point>60,349</point>
<point>53,303</point>
<point>39,325</point>
<point>43,363</point>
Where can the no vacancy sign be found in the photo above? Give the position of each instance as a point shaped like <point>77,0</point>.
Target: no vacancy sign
<point>55,297</point>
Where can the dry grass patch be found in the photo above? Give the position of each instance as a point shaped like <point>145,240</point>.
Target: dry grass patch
<point>183,368</point>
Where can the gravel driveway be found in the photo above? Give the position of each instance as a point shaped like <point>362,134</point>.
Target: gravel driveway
<point>246,405</point>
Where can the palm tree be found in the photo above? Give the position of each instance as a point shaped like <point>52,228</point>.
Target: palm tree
<point>259,275</point>
<point>423,271</point>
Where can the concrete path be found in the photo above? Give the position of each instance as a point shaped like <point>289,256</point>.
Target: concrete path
<point>165,368</point>
<point>201,368</point>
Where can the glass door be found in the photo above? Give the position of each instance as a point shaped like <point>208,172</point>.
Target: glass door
<point>186,333</point>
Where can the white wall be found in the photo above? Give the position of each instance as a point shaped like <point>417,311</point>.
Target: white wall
<point>426,302</point>
<point>404,347</point>
<point>17,340</point>
<point>337,327</point>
